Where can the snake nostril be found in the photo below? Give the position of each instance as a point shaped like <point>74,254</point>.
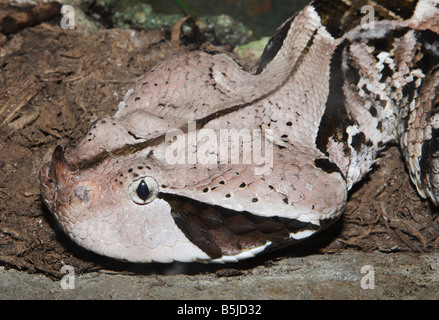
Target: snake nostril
<point>85,194</point>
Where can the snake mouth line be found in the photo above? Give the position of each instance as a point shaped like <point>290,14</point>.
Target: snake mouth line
<point>219,231</point>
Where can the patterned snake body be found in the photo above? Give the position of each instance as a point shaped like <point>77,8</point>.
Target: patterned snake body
<point>331,89</point>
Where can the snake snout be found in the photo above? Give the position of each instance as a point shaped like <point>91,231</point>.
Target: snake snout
<point>59,167</point>
<point>53,176</point>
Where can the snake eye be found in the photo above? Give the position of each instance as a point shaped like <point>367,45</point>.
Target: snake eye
<point>143,190</point>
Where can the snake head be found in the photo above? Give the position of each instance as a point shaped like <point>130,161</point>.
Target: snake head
<point>65,191</point>
<point>114,210</point>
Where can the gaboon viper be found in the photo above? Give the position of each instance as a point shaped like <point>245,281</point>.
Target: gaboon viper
<point>205,161</point>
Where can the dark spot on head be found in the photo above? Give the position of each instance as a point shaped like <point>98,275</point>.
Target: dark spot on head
<point>156,84</point>
<point>130,170</point>
<point>221,182</point>
<point>373,111</point>
<point>255,200</point>
<point>137,99</point>
<point>271,187</point>
<point>289,124</point>
<point>140,167</point>
<point>103,121</point>
<point>242,185</point>
<point>206,190</point>
<point>121,183</point>
<point>285,200</point>
<point>135,175</point>
<point>228,195</point>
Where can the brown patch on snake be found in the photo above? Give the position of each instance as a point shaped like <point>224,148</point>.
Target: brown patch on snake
<point>274,45</point>
<point>426,58</point>
<point>358,140</point>
<point>332,14</point>
<point>430,148</point>
<point>336,118</point>
<point>219,231</point>
<point>341,16</point>
<point>328,166</point>
<point>403,9</point>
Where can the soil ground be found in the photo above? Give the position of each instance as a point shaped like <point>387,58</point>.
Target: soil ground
<point>335,276</point>
<point>54,83</point>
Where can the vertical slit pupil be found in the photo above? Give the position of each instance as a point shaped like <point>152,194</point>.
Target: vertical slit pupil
<point>143,190</point>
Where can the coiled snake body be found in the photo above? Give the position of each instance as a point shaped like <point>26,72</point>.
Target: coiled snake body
<point>335,83</point>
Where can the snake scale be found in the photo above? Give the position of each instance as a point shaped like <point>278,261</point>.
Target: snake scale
<point>335,83</point>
